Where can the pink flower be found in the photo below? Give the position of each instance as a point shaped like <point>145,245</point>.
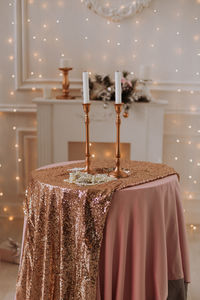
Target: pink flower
<point>126,82</point>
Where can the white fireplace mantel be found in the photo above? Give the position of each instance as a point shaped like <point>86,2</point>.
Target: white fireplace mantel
<point>61,121</point>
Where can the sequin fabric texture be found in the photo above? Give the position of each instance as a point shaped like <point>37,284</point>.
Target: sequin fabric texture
<point>64,230</point>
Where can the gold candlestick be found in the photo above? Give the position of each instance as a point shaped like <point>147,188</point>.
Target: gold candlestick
<point>65,84</point>
<point>86,108</point>
<point>118,173</point>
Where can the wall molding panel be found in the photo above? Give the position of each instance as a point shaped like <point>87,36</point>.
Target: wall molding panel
<point>18,108</point>
<point>23,137</point>
<point>24,82</point>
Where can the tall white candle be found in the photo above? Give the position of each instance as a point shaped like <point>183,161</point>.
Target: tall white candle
<point>86,94</point>
<point>65,63</point>
<point>118,88</point>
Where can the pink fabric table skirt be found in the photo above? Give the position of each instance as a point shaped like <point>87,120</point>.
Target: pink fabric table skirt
<point>144,245</point>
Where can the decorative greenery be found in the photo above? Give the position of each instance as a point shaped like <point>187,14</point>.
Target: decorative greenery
<point>102,88</point>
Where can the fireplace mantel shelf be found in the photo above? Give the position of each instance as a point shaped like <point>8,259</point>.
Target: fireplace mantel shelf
<point>80,101</point>
<point>62,121</point>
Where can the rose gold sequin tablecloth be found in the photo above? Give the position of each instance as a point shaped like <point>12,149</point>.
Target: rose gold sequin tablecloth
<point>122,240</point>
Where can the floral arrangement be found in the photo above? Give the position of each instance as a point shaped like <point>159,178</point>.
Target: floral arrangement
<point>103,88</point>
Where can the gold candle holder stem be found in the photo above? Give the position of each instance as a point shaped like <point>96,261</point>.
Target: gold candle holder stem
<point>86,108</point>
<point>118,173</point>
<point>65,84</point>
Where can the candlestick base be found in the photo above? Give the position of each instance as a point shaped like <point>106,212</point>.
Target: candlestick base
<point>118,174</point>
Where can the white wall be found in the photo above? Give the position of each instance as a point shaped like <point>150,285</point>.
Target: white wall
<point>165,36</point>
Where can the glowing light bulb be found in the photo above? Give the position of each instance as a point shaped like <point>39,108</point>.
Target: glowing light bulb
<point>157,28</point>
<point>11,218</point>
<point>16,146</point>
<point>190,196</point>
<point>1,194</point>
<point>177,33</point>
<point>14,128</point>
<point>155,11</point>
<point>135,40</point>
<point>198,164</point>
<point>197,73</point>
<point>14,110</point>
<point>11,57</point>
<point>191,92</point>
<point>189,142</point>
<point>194,228</point>
<point>33,89</point>
<point>108,41</point>
<point>176,70</point>
<point>118,25</point>
<point>86,19</point>
<point>190,177</point>
<point>28,20</point>
<point>195,182</point>
<point>108,22</point>
<point>19,160</point>
<point>93,155</point>
<point>11,93</point>
<point>196,37</point>
<point>34,37</point>
<point>189,126</point>
<point>62,54</point>
<point>176,158</point>
<point>44,5</point>
<point>56,39</point>
<point>57,21</point>
<point>178,90</point>
<point>0,165</point>
<point>45,26</point>
<point>178,141</point>
<point>5,209</point>
<point>10,40</point>
<point>17,178</point>
<point>137,22</point>
<point>40,60</point>
<point>190,160</point>
<point>44,39</point>
<point>13,76</point>
<point>40,76</point>
<point>152,45</point>
<point>118,44</point>
<point>86,38</point>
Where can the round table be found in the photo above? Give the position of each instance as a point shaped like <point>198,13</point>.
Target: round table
<point>144,253</point>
